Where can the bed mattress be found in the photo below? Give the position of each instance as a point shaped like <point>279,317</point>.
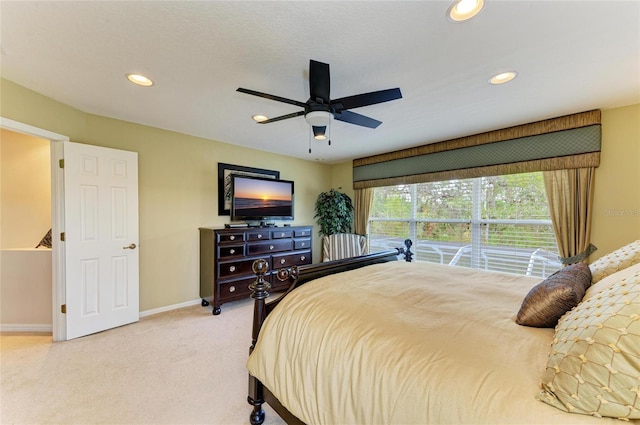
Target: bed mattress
<point>408,343</point>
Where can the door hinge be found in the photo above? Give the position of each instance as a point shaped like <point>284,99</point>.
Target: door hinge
<point>61,162</point>
<point>62,236</point>
<point>63,309</point>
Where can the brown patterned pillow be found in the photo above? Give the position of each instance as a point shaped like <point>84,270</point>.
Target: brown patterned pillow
<point>554,296</point>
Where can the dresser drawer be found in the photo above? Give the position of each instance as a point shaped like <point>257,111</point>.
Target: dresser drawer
<point>236,289</point>
<point>301,243</point>
<point>225,251</point>
<point>299,233</point>
<point>231,237</point>
<point>227,269</point>
<point>258,235</point>
<point>269,246</point>
<point>281,234</point>
<point>291,259</point>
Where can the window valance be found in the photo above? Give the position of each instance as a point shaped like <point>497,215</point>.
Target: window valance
<point>571,141</point>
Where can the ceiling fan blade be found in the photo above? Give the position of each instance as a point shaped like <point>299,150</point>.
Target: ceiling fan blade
<point>357,119</point>
<point>366,99</point>
<point>272,97</point>
<point>319,81</point>
<point>282,117</point>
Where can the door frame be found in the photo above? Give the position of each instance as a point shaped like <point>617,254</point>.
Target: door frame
<point>59,328</point>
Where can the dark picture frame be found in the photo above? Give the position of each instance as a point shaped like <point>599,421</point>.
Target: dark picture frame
<point>224,182</point>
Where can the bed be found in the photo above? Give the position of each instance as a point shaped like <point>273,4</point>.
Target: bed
<point>374,340</point>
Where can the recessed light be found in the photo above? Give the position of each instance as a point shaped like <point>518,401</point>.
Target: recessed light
<point>503,77</point>
<point>461,10</point>
<point>259,118</point>
<point>140,80</point>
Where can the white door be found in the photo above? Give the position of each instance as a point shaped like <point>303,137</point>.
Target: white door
<point>101,237</point>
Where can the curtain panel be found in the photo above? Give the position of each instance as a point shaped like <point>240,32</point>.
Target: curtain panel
<point>362,205</point>
<point>570,198</point>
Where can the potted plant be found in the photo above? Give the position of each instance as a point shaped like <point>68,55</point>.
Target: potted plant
<point>334,213</point>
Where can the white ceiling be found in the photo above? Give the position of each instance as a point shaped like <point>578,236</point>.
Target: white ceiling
<point>571,56</point>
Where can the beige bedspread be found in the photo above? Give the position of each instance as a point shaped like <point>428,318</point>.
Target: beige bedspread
<point>407,343</point>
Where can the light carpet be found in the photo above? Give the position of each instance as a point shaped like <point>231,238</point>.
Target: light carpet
<point>185,366</point>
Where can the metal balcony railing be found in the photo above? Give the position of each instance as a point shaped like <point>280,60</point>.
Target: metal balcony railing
<point>539,261</point>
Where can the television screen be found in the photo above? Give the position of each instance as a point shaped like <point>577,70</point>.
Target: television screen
<point>258,198</point>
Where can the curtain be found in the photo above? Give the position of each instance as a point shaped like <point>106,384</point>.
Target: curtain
<point>362,206</point>
<point>570,196</point>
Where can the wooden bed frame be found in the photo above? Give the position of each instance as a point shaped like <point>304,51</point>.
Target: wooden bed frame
<point>258,393</point>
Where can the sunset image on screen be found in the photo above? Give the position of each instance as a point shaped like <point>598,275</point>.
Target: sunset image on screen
<point>254,198</point>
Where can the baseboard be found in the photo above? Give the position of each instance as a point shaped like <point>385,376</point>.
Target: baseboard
<point>26,328</point>
<point>170,307</point>
<point>49,328</point>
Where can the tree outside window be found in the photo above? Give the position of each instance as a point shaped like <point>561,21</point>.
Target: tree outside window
<point>496,223</point>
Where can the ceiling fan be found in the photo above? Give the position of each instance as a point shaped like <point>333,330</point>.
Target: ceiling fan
<point>320,108</point>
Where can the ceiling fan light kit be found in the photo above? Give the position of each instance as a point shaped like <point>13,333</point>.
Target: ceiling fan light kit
<point>319,132</point>
<point>319,121</point>
<point>320,109</point>
<point>318,118</point>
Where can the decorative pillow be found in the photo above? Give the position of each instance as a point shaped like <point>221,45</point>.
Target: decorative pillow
<point>45,241</point>
<point>615,261</point>
<point>554,296</point>
<point>606,282</point>
<point>594,364</point>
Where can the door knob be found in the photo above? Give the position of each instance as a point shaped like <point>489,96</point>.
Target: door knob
<point>132,246</point>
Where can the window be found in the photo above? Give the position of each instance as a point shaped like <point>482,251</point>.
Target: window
<point>498,223</point>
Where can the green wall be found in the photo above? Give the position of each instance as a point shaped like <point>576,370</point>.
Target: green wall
<point>616,199</point>
<point>177,186</point>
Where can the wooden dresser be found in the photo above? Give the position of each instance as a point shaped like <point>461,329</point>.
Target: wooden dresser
<point>226,256</point>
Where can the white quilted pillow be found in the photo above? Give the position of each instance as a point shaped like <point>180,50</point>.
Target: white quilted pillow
<point>617,260</point>
<point>594,364</point>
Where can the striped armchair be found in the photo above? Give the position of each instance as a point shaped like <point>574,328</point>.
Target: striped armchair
<point>343,245</point>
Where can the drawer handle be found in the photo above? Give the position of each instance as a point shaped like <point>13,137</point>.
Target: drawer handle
<point>232,269</point>
<point>303,258</point>
<point>233,238</point>
<point>232,289</point>
<point>282,235</point>
<point>302,244</point>
<point>232,251</point>
<point>282,261</point>
<point>270,246</point>
<point>259,236</point>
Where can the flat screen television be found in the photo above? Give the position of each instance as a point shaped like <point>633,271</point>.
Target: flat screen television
<point>260,199</point>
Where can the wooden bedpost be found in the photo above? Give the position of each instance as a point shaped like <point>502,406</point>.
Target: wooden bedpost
<point>259,292</point>
<point>408,255</point>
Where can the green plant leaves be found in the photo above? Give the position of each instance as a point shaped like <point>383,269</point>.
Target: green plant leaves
<point>334,212</point>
